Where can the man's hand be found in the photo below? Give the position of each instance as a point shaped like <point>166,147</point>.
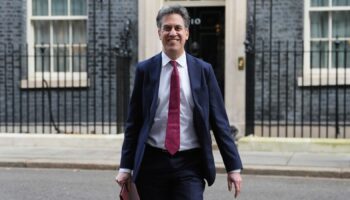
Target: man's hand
<point>235,179</point>
<point>123,178</point>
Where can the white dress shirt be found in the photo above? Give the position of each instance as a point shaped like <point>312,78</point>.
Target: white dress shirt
<point>188,137</point>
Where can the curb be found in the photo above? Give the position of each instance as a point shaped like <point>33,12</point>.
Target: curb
<point>220,169</point>
<point>60,140</point>
<point>314,145</point>
<point>293,171</point>
<point>24,164</point>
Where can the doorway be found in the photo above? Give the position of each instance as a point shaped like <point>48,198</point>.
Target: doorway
<point>207,38</point>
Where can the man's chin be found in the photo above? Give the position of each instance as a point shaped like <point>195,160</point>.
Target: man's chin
<point>173,52</point>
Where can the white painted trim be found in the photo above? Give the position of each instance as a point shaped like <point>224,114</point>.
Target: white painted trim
<point>61,75</point>
<point>70,40</point>
<point>307,33</point>
<point>38,84</point>
<point>49,9</point>
<point>196,3</point>
<point>324,79</point>
<point>65,18</point>
<point>149,43</point>
<point>51,46</point>
<point>59,80</point>
<point>330,8</point>
<point>235,34</point>
<point>69,11</point>
<point>30,38</point>
<point>330,24</point>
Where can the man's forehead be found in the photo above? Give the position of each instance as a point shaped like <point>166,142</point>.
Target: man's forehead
<point>169,19</point>
<point>172,24</point>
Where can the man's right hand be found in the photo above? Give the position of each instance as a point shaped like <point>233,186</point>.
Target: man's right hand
<point>123,178</point>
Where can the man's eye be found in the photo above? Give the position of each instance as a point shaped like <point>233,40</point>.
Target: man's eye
<point>166,28</point>
<point>169,28</point>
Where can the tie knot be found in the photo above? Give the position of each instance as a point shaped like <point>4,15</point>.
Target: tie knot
<point>173,63</point>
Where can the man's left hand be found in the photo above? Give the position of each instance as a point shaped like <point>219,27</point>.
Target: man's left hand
<point>235,179</point>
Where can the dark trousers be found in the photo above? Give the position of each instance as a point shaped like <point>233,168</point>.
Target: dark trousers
<point>166,177</point>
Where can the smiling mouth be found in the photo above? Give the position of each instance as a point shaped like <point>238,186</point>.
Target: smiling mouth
<point>173,39</point>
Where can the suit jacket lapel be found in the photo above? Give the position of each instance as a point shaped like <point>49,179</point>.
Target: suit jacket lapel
<point>154,74</point>
<point>194,72</point>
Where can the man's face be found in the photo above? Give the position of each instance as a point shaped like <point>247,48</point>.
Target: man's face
<point>173,35</point>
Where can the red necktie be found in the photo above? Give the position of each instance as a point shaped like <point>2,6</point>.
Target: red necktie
<point>172,138</point>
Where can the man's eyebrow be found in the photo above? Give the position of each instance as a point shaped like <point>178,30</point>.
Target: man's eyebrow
<point>176,25</point>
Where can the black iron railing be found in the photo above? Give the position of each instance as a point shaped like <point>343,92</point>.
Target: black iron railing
<point>294,88</point>
<point>82,91</point>
<point>298,92</point>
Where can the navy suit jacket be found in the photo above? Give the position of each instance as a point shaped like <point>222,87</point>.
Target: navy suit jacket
<point>208,113</point>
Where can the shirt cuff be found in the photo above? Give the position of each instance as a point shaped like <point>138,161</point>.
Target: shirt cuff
<point>124,170</point>
<point>235,171</point>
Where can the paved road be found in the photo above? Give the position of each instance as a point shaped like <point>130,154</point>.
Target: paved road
<point>57,184</point>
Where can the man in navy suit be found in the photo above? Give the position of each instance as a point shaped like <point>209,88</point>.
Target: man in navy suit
<point>174,104</point>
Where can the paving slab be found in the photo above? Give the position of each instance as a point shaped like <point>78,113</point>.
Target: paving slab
<point>320,160</point>
<point>82,153</point>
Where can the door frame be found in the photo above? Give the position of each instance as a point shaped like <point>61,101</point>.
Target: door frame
<point>235,31</point>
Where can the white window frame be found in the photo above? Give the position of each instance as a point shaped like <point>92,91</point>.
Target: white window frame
<point>318,76</point>
<point>54,79</point>
<point>195,3</point>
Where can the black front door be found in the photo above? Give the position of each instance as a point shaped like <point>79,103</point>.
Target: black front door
<point>207,38</point>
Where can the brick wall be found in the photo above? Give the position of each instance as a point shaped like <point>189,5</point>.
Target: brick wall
<point>98,101</point>
<point>310,102</point>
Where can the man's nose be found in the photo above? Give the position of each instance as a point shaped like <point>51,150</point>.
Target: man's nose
<point>172,31</point>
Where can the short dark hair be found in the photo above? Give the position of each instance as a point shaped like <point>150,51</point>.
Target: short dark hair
<point>173,9</point>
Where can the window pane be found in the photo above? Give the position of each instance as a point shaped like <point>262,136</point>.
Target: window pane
<point>59,7</point>
<point>319,3</point>
<point>41,32</point>
<point>40,8</point>
<point>78,7</point>
<point>60,32</point>
<point>61,59</point>
<point>79,59</point>
<point>79,32</point>
<point>342,54</point>
<point>42,59</point>
<point>341,24</point>
<point>341,2</point>
<point>319,24</point>
<point>319,55</point>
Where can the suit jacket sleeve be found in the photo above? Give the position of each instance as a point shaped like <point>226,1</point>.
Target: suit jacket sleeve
<point>133,123</point>
<point>220,125</point>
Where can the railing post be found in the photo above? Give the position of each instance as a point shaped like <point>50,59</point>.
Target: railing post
<point>250,78</point>
<point>123,54</point>
<point>5,89</point>
<point>337,130</point>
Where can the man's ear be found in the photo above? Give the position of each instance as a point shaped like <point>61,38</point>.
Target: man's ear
<point>159,33</point>
<point>187,33</point>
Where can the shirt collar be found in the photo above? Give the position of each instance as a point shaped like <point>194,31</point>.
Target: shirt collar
<point>181,61</point>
